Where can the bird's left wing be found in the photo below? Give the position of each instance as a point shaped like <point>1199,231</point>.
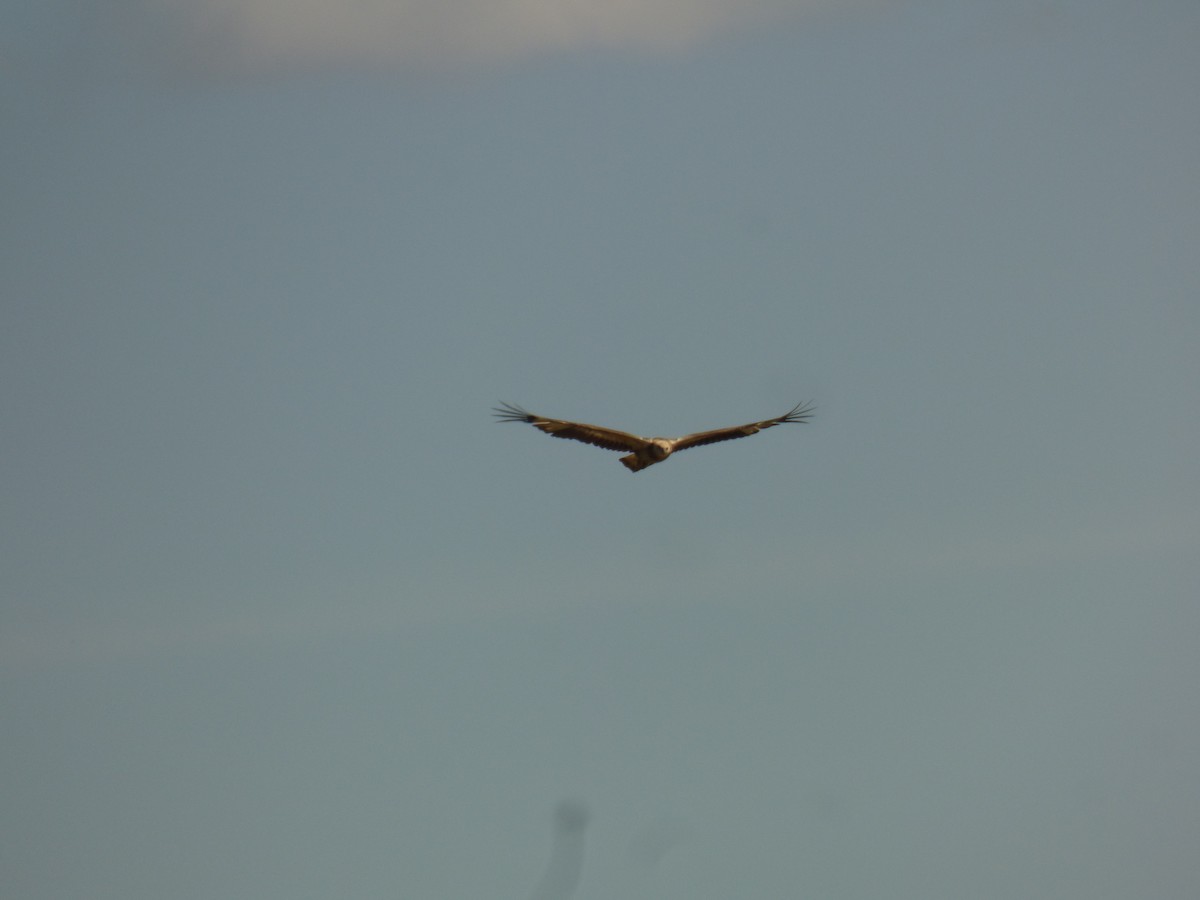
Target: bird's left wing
<point>608,438</point>
<point>799,413</point>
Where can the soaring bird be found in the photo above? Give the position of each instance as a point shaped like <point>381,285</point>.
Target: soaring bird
<point>644,451</point>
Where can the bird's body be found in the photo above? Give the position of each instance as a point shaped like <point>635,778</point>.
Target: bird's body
<point>644,451</point>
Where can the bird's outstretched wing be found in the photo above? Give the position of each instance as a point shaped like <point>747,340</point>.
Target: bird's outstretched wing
<point>799,413</point>
<point>608,438</point>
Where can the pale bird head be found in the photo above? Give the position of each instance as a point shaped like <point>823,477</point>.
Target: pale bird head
<point>660,448</point>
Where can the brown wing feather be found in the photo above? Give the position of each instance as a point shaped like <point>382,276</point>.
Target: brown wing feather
<point>799,414</point>
<point>608,438</point>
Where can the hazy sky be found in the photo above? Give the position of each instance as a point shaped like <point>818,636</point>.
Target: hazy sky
<point>285,614</point>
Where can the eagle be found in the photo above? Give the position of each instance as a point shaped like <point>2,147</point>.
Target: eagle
<point>644,451</point>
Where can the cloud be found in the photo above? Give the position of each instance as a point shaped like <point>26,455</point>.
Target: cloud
<point>566,859</point>
<point>272,34</point>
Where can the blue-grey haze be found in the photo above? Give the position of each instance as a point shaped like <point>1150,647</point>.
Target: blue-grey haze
<point>286,615</point>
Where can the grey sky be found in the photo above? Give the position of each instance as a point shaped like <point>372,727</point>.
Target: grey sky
<point>217,38</point>
<point>284,614</point>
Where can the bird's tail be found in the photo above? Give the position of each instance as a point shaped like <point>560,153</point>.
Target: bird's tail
<point>632,463</point>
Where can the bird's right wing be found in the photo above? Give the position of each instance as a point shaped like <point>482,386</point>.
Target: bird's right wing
<point>608,438</point>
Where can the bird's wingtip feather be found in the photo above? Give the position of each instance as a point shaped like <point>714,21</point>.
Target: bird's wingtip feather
<point>510,412</point>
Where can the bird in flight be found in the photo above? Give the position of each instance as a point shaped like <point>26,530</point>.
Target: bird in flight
<point>644,451</point>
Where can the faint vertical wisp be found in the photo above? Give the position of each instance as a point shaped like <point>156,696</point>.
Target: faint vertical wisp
<point>653,842</point>
<point>566,854</point>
